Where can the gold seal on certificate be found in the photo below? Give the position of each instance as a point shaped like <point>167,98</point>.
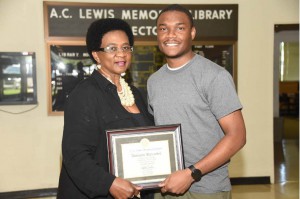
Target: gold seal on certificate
<point>145,155</point>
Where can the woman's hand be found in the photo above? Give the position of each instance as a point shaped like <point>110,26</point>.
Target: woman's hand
<point>123,189</point>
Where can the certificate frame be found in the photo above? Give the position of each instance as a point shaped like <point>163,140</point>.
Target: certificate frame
<point>137,154</point>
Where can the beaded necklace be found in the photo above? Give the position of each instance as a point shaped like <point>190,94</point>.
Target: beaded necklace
<point>125,95</point>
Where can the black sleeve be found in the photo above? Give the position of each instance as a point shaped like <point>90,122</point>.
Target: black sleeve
<point>80,140</point>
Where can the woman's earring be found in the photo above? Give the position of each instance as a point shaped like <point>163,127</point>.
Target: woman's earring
<point>123,74</point>
<point>99,66</point>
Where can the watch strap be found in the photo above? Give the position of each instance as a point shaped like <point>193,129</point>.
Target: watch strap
<point>192,168</point>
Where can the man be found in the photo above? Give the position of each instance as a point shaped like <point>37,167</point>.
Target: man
<point>200,95</point>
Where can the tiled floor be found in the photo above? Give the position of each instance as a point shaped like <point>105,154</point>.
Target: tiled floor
<point>286,176</point>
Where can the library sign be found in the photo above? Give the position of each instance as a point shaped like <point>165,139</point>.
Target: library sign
<point>212,22</point>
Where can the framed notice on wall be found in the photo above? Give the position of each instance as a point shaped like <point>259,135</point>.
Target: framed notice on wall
<point>66,23</point>
<point>18,78</point>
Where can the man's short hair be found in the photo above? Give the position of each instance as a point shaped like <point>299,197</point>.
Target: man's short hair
<point>179,8</point>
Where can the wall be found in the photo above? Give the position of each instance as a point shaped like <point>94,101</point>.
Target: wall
<point>30,143</point>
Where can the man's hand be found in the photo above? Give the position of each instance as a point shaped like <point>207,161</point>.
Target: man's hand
<point>178,182</point>
<point>123,189</point>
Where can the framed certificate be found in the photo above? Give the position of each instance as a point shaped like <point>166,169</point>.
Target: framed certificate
<point>145,155</point>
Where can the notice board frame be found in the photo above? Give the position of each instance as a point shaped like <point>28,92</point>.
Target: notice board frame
<point>205,42</point>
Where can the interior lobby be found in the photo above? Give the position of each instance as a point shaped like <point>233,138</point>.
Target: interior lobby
<point>261,51</point>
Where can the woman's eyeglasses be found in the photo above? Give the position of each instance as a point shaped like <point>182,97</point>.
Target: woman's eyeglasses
<point>114,49</point>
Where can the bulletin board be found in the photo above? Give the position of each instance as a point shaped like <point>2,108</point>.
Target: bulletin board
<point>68,60</point>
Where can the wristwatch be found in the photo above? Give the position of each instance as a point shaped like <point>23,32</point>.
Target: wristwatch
<point>196,173</point>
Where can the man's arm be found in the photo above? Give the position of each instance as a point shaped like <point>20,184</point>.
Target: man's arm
<point>235,138</point>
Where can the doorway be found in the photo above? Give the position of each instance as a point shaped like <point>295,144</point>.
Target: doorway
<point>286,97</point>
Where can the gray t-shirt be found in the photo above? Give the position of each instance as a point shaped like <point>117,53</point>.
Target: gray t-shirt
<point>196,96</point>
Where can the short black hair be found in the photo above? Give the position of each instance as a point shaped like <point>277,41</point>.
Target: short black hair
<point>179,8</point>
<point>100,27</point>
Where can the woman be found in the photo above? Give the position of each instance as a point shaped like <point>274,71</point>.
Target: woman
<point>102,101</point>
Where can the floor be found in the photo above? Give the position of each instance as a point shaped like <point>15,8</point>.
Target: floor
<point>286,184</point>
<point>286,155</point>
<point>286,178</point>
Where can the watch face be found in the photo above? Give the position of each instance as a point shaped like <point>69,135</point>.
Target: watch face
<point>196,174</point>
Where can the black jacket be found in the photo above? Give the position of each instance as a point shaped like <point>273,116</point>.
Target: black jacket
<point>92,107</point>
